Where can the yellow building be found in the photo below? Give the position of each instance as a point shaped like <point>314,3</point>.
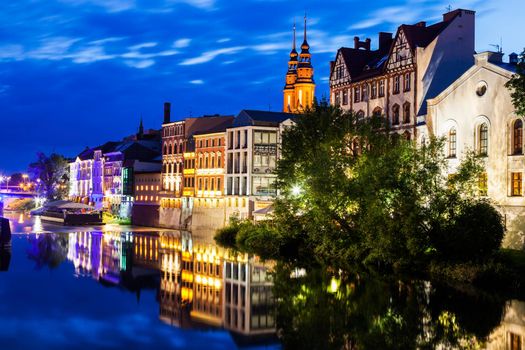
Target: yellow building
<point>299,90</point>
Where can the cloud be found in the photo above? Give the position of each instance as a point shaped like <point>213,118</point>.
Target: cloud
<point>108,5</point>
<point>142,46</point>
<point>210,55</point>
<point>223,40</point>
<point>197,82</point>
<point>141,64</point>
<point>181,43</point>
<point>202,4</point>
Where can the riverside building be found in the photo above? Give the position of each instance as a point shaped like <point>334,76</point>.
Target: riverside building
<point>397,78</point>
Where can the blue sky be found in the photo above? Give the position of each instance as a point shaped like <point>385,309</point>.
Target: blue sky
<point>76,73</point>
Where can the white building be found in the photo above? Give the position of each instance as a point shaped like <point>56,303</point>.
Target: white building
<point>251,159</point>
<point>476,112</point>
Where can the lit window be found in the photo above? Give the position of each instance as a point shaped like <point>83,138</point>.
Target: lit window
<point>483,184</point>
<point>516,189</point>
<point>483,139</point>
<point>452,140</point>
<point>515,341</point>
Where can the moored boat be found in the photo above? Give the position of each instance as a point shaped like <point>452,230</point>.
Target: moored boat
<point>69,213</point>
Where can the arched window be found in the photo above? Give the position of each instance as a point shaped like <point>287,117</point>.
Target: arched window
<point>377,112</point>
<point>360,114</point>
<point>483,139</point>
<point>165,150</point>
<point>395,114</point>
<point>452,141</point>
<point>406,113</point>
<point>517,138</point>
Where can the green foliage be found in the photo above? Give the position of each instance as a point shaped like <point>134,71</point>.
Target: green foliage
<point>517,86</point>
<point>22,204</point>
<point>474,234</point>
<point>226,236</point>
<point>351,193</point>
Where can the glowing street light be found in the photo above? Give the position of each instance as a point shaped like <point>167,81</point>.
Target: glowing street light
<point>296,190</point>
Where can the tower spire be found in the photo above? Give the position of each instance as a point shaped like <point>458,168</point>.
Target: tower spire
<point>141,127</point>
<point>293,45</point>
<point>304,26</point>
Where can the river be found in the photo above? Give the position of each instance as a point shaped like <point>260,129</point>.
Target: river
<point>129,287</point>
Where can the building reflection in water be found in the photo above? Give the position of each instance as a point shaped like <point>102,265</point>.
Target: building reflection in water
<point>199,285</point>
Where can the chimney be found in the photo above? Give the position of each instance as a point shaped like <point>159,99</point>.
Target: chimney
<point>167,112</point>
<point>421,24</point>
<point>513,58</point>
<point>362,44</point>
<point>385,40</point>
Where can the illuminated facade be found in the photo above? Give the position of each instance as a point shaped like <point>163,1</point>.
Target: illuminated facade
<point>209,164</point>
<point>251,158</point>
<point>395,80</point>
<point>476,113</point>
<point>299,89</point>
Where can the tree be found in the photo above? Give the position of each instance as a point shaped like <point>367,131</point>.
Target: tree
<point>351,193</point>
<point>52,171</point>
<point>517,86</point>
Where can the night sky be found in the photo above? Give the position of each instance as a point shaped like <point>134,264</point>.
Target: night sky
<point>77,73</point>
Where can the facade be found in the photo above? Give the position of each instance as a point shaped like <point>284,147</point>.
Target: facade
<point>251,158</point>
<point>476,113</point>
<point>146,193</point>
<point>103,176</point>
<point>299,88</point>
<point>397,78</point>
<point>184,144</point>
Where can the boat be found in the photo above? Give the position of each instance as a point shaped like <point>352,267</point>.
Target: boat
<point>69,213</point>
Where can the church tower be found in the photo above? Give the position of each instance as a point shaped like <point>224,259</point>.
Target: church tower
<point>299,91</point>
<point>290,101</point>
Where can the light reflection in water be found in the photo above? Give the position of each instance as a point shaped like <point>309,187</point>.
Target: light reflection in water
<point>198,283</point>
<point>37,225</point>
<point>21,218</point>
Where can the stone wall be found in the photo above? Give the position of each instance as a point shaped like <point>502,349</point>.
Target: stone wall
<point>145,215</point>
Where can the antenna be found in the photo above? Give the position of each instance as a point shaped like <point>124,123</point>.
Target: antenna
<point>449,8</point>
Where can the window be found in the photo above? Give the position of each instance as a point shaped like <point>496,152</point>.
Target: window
<point>364,93</point>
<point>337,98</point>
<point>396,84</point>
<point>516,189</point>
<point>381,88</point>
<point>406,82</point>
<point>395,114</point>
<point>452,143</point>
<point>357,94</point>
<point>360,115</point>
<point>406,113</point>
<point>482,184</point>
<point>515,341</point>
<point>345,97</point>
<point>373,88</point>
<point>517,137</point>
<point>377,112</point>
<point>483,139</point>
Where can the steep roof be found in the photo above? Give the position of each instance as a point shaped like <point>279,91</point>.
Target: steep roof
<point>249,117</point>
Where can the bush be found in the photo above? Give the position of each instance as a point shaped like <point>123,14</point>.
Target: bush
<point>226,236</point>
<point>474,235</point>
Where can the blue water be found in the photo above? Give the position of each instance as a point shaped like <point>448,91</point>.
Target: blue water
<point>48,300</point>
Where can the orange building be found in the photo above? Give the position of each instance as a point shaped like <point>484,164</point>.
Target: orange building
<point>209,164</point>
<point>299,90</point>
